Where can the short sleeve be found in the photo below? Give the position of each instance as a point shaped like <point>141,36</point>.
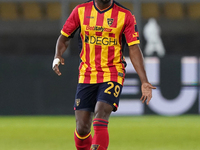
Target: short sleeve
<point>71,24</point>
<point>130,30</point>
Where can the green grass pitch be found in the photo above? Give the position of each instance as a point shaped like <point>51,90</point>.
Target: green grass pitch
<point>126,133</point>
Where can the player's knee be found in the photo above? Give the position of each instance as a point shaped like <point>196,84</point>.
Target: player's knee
<point>83,128</point>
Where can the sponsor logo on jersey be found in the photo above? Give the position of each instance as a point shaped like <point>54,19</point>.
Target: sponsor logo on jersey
<point>98,40</point>
<point>90,17</point>
<point>135,34</point>
<point>120,74</point>
<point>98,28</point>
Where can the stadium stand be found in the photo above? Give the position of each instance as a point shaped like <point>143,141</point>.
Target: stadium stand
<point>9,11</point>
<point>72,5</point>
<point>31,11</point>
<point>173,11</point>
<point>53,10</point>
<point>44,18</point>
<point>193,10</point>
<point>128,5</point>
<point>150,10</point>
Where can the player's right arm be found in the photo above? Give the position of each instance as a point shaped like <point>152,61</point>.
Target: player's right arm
<point>67,32</point>
<point>61,46</point>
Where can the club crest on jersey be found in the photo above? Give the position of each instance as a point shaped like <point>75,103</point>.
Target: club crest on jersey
<point>95,147</point>
<point>110,21</point>
<point>78,102</point>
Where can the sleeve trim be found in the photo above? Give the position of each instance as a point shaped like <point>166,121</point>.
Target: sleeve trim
<point>63,33</point>
<point>134,42</point>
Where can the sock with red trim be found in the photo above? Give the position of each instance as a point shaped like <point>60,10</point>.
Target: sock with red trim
<point>82,142</point>
<point>100,139</point>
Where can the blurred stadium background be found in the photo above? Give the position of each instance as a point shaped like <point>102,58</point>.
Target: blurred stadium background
<point>28,34</point>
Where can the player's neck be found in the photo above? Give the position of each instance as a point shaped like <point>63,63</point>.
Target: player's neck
<point>103,5</point>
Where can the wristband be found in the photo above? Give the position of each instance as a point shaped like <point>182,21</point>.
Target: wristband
<point>56,61</point>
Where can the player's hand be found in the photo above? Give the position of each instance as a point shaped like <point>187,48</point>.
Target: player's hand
<point>146,92</point>
<point>56,62</point>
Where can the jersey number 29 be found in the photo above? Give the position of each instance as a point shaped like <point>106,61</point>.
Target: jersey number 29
<point>116,89</point>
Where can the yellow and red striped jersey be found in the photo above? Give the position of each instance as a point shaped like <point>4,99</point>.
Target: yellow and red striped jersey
<point>102,33</point>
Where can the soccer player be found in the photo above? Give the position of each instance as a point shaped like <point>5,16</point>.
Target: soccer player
<point>104,27</point>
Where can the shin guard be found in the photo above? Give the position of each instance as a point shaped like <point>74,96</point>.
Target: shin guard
<point>100,140</point>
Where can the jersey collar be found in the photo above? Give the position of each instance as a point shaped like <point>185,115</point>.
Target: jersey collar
<point>104,10</point>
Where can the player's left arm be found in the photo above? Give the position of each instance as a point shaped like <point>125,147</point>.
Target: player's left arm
<point>136,56</point>
<point>137,60</point>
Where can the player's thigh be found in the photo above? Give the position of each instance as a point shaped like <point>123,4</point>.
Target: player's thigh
<point>109,93</point>
<point>85,98</point>
<point>103,110</point>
